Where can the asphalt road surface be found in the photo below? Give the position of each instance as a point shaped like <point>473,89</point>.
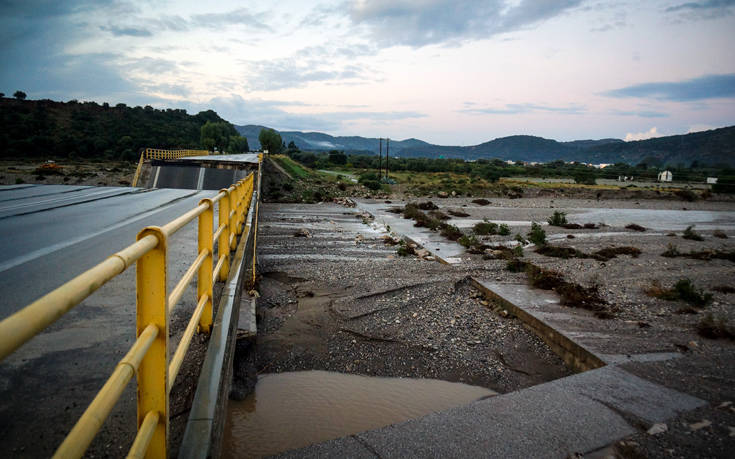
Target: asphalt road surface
<point>48,235</point>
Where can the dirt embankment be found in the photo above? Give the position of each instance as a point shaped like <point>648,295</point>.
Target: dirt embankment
<point>88,173</point>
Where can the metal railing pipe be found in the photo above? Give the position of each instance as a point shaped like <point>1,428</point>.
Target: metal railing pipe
<point>78,440</point>
<point>34,318</point>
<point>173,226</point>
<point>178,291</point>
<point>145,433</point>
<point>178,358</point>
<point>223,243</point>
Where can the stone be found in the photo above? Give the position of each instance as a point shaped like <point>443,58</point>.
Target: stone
<point>700,425</point>
<point>442,194</point>
<point>303,232</point>
<point>657,429</point>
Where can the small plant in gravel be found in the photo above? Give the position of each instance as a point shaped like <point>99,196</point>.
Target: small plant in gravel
<point>450,232</point>
<point>687,195</point>
<point>671,251</point>
<point>537,235</point>
<point>609,253</point>
<point>683,290</point>
<point>521,240</point>
<point>719,234</point>
<point>458,213</point>
<point>635,227</point>
<point>503,229</point>
<point>484,228</point>
<point>715,327</point>
<point>480,202</point>
<point>439,215</point>
<point>516,266</point>
<point>559,252</point>
<point>468,241</point>
<point>558,219</point>
<point>689,233</point>
<point>518,250</point>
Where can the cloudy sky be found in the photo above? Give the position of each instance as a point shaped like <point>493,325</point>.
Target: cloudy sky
<point>456,72</point>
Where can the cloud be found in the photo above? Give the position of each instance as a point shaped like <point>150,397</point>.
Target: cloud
<point>272,75</point>
<point>639,113</point>
<point>704,87</point>
<point>127,31</point>
<point>419,23</point>
<point>514,109</point>
<point>708,9</point>
<point>649,134</point>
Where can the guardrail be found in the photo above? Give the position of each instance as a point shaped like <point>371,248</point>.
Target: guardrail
<point>155,153</point>
<point>148,356</point>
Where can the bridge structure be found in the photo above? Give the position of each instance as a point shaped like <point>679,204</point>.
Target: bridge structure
<point>105,285</point>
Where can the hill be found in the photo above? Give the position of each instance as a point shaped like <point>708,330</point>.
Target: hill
<point>44,128</point>
<point>318,141</point>
<point>714,147</point>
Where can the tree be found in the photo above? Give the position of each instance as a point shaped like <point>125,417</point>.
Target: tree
<point>216,135</point>
<point>238,144</point>
<point>2,94</point>
<point>20,95</point>
<point>270,140</point>
<point>337,157</point>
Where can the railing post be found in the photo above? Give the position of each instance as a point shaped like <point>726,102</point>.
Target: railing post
<point>223,244</point>
<point>233,216</point>
<point>204,278</point>
<point>152,308</point>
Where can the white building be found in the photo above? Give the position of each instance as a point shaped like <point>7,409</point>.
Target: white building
<point>665,176</point>
<point>712,180</point>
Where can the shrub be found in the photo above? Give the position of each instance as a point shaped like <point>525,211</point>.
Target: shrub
<point>537,235</point>
<point>485,227</point>
<point>516,266</point>
<point>481,202</point>
<point>457,213</point>
<point>558,219</point>
<point>715,327</point>
<point>518,250</point>
<point>635,227</point>
<point>683,290</point>
<point>468,241</point>
<point>687,195</point>
<point>372,184</point>
<point>719,234</point>
<point>671,251</point>
<point>689,233</point>
<point>503,229</point>
<point>450,232</point>
<point>521,240</point>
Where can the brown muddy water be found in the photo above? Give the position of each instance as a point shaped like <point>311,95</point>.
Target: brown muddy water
<point>296,409</point>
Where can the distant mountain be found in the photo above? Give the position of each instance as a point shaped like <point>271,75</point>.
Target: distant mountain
<point>708,147</point>
<point>318,141</point>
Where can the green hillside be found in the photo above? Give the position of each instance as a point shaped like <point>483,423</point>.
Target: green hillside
<point>48,129</point>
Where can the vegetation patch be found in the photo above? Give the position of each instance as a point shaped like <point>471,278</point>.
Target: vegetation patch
<point>537,235</point>
<point>689,233</point>
<point>635,227</point>
<point>672,252</point>
<point>719,234</point>
<point>570,293</point>
<point>484,228</point>
<point>428,205</point>
<point>458,213</point>
<point>687,195</point>
<point>439,215</point>
<point>724,289</point>
<point>450,232</point>
<point>503,229</point>
<point>715,327</point>
<point>682,290</point>
<point>481,202</point>
<point>558,219</point>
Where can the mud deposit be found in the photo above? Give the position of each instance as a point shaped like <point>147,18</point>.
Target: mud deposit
<point>295,409</point>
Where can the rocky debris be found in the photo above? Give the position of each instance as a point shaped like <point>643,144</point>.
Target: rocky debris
<point>442,194</point>
<point>390,240</point>
<point>302,232</point>
<point>359,238</point>
<point>344,201</point>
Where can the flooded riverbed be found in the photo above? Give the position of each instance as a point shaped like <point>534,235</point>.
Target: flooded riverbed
<point>296,409</point>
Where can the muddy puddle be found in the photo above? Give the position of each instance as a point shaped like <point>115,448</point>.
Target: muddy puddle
<point>296,409</point>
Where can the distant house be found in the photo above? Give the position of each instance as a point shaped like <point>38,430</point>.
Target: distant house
<point>665,176</point>
<point>712,180</point>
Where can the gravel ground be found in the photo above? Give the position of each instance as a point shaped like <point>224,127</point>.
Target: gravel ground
<point>640,323</point>
<point>342,300</point>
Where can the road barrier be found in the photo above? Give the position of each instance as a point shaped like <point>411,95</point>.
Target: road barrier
<point>155,153</point>
<point>148,356</point>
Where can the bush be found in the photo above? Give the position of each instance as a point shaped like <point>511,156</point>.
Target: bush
<point>558,219</point>
<point>689,233</point>
<point>372,184</point>
<point>450,232</point>
<point>484,228</point>
<point>683,290</point>
<point>715,327</point>
<point>503,229</point>
<point>537,235</point>
<point>687,195</point>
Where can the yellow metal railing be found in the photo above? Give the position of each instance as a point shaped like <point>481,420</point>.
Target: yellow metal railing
<point>148,356</point>
<point>155,153</point>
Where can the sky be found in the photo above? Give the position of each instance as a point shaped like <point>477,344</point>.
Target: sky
<point>450,72</point>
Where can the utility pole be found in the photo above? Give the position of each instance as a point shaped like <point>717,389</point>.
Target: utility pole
<point>380,158</point>
<point>387,152</point>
